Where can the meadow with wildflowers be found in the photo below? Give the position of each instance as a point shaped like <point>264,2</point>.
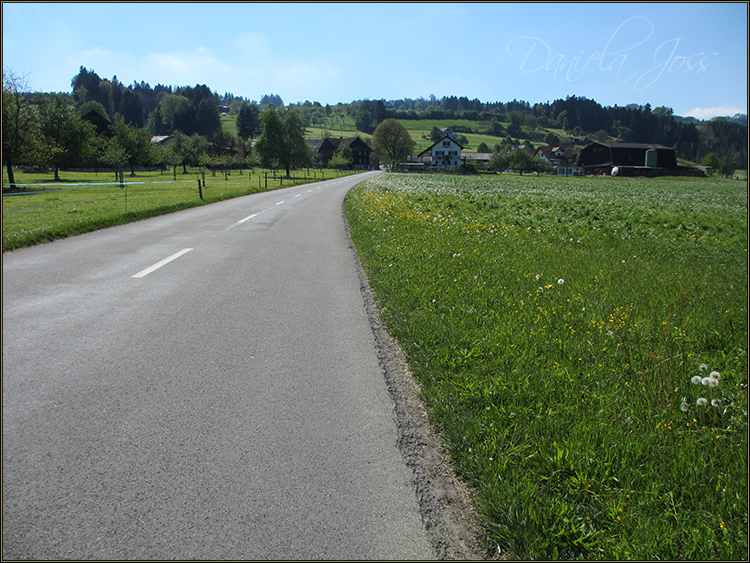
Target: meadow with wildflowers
<point>581,347</point>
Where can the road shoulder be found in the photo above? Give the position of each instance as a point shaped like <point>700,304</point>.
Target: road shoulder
<point>445,504</point>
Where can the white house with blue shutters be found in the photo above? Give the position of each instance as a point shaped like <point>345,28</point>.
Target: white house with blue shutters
<point>446,153</point>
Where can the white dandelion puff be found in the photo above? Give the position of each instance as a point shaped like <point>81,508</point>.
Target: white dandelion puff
<point>716,403</point>
<point>697,379</point>
<point>561,282</point>
<point>701,402</point>
<point>703,367</point>
<point>715,375</point>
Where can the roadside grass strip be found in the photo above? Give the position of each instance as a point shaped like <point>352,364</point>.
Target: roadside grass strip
<point>41,211</point>
<point>581,347</point>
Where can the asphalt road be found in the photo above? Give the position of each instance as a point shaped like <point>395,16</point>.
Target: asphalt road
<point>203,385</point>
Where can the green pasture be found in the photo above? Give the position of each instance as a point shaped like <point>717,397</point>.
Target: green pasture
<point>581,345</point>
<point>344,126</point>
<point>42,210</point>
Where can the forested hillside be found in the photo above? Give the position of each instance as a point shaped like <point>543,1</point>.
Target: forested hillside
<point>228,120</point>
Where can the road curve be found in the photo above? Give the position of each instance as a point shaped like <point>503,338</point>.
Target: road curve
<point>203,385</point>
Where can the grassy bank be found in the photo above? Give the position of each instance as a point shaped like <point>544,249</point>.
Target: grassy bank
<point>564,332</point>
<point>42,210</point>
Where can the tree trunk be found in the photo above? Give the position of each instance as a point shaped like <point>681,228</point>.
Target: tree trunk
<point>57,173</point>
<point>11,177</point>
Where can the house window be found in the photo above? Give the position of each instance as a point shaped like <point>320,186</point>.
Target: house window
<point>453,153</point>
<point>446,143</point>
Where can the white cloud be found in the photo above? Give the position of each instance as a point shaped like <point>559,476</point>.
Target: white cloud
<point>251,44</point>
<point>708,113</point>
<point>184,69</point>
<point>104,62</point>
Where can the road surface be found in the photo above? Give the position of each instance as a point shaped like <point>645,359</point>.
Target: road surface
<point>206,385</point>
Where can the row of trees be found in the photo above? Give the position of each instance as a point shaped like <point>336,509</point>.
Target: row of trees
<point>44,130</point>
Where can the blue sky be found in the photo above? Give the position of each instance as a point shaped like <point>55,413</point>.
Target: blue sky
<point>691,57</point>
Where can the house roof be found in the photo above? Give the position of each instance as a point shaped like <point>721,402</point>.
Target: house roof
<point>632,145</point>
<point>549,152</point>
<point>339,143</point>
<point>428,149</point>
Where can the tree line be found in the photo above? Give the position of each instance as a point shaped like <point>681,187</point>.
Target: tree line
<point>45,129</point>
<point>50,129</point>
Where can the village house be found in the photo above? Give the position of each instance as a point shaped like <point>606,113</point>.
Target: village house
<point>561,158</point>
<point>446,153</point>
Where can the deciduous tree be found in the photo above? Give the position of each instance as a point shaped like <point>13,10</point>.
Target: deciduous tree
<point>20,130</point>
<point>135,141</point>
<point>282,143</point>
<point>248,121</point>
<point>712,161</point>
<point>69,140</point>
<point>391,142</point>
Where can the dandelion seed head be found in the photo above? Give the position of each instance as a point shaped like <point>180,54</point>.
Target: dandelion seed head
<point>697,379</point>
<point>701,402</point>
<point>715,375</point>
<point>716,403</point>
<point>684,407</point>
<point>561,282</point>
<point>703,367</point>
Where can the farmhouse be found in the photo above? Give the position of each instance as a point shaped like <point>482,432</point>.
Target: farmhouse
<point>361,151</point>
<point>630,159</point>
<point>446,152</point>
<point>561,158</point>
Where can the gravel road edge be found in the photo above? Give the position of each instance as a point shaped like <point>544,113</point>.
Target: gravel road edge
<point>446,505</point>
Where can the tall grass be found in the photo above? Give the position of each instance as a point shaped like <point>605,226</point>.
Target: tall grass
<point>563,331</point>
<point>44,210</point>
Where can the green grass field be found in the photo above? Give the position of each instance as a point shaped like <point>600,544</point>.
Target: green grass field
<point>45,210</point>
<point>565,332</point>
<point>419,130</point>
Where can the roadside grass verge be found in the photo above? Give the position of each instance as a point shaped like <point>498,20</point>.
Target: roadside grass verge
<point>42,210</point>
<point>564,332</point>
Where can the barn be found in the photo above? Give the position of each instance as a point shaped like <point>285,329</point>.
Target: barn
<point>631,159</point>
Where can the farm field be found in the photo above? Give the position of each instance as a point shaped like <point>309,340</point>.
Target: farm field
<point>581,345</point>
<point>45,210</point>
<point>343,126</point>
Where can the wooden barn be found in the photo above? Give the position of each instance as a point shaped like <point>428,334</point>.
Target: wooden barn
<point>101,123</point>
<point>630,159</point>
<point>361,151</point>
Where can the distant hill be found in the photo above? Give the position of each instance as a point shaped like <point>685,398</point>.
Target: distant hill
<point>740,118</point>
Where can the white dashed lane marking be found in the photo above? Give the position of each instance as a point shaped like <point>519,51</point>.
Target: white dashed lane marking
<point>161,263</point>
